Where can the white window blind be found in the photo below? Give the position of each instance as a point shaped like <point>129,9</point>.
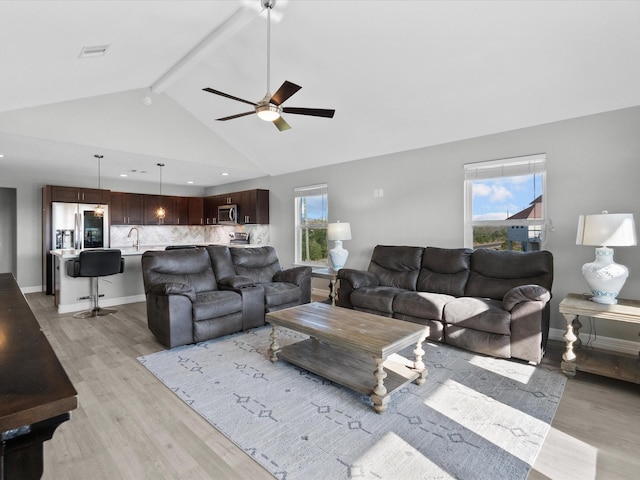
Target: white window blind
<point>512,167</point>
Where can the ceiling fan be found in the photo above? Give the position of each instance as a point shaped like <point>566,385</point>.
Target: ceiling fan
<point>270,107</point>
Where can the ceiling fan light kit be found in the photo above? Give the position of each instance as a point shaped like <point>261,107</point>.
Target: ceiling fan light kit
<point>270,108</point>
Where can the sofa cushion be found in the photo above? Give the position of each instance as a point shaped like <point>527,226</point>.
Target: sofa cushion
<point>396,266</point>
<point>444,270</point>
<point>492,344</point>
<point>191,267</point>
<point>478,314</point>
<point>258,263</point>
<point>421,304</point>
<point>280,293</point>
<point>216,304</point>
<point>494,273</point>
<point>379,299</point>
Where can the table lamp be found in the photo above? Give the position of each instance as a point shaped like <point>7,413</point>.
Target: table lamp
<point>604,276</point>
<point>338,232</point>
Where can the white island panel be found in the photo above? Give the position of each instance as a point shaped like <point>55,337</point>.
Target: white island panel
<point>126,287</point>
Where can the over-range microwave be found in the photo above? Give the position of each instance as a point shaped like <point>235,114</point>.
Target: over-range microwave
<point>228,214</point>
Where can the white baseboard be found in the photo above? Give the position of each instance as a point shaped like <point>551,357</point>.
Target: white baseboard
<point>36,289</point>
<point>110,302</point>
<point>600,342</point>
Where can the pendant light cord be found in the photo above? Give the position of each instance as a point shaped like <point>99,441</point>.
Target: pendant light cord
<point>268,49</point>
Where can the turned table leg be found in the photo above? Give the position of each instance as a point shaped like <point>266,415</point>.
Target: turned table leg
<point>418,364</point>
<point>274,348</point>
<point>380,397</point>
<point>568,364</point>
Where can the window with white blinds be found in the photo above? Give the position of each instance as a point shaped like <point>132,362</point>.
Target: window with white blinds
<point>312,213</point>
<point>505,203</point>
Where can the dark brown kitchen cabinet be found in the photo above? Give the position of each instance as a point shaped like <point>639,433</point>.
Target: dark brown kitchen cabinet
<point>253,207</point>
<point>230,198</point>
<point>182,210</point>
<point>126,208</point>
<point>211,209</point>
<point>151,205</point>
<point>196,211</point>
<point>79,195</point>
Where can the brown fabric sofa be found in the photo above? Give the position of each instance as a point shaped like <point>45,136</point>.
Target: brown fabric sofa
<point>487,301</point>
<point>197,294</point>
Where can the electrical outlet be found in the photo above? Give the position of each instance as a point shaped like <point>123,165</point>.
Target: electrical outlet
<point>378,192</point>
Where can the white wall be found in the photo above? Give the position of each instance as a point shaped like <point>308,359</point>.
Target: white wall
<point>593,164</point>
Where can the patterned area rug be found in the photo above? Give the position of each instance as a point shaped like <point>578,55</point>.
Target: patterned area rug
<point>474,418</point>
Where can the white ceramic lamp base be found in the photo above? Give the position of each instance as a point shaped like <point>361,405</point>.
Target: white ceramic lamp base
<point>338,255</point>
<point>605,277</point>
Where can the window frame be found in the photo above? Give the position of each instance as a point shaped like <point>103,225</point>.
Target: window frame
<point>503,168</point>
<point>308,191</point>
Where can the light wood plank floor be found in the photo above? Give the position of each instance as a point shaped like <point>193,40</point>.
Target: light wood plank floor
<point>130,426</point>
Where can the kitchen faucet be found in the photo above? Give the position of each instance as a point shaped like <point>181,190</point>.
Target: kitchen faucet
<point>137,241</point>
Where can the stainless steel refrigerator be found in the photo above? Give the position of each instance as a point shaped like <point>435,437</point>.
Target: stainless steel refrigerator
<point>75,226</point>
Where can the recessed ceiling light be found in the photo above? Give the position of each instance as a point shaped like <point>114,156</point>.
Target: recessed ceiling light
<point>124,175</point>
<point>190,182</point>
<point>89,51</point>
<point>1,156</point>
<point>224,174</point>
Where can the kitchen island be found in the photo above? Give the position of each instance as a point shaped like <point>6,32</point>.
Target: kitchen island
<point>117,289</point>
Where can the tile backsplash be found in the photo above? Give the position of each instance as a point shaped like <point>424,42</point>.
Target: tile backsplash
<point>152,235</point>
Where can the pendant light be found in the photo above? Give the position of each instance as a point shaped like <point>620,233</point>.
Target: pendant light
<point>98,210</point>
<point>160,212</point>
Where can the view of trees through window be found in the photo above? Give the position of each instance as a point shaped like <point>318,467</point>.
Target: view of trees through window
<point>311,225</point>
<point>314,245</point>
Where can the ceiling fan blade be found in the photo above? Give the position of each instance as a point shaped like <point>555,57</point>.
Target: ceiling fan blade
<point>235,116</point>
<point>314,112</point>
<point>211,90</point>
<point>281,124</point>
<point>286,90</point>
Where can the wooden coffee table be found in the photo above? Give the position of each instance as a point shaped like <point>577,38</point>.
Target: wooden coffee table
<point>355,349</point>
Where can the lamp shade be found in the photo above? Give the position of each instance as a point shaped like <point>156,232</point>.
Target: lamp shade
<point>606,229</point>
<point>339,231</point>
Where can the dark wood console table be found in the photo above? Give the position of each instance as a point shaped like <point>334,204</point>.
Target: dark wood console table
<point>35,392</point>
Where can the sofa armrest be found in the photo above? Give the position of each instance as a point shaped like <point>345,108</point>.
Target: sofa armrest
<point>235,282</point>
<point>165,289</point>
<point>358,278</point>
<point>525,293</point>
<point>295,275</point>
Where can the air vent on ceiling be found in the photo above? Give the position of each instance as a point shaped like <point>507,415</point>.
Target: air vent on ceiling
<point>93,51</point>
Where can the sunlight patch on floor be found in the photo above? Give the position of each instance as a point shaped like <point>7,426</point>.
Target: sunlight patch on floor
<point>508,368</point>
<point>393,457</point>
<point>488,418</point>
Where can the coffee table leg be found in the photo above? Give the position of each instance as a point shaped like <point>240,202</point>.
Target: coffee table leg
<point>275,348</point>
<point>418,364</point>
<point>380,397</point>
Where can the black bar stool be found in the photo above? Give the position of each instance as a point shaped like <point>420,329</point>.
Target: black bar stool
<point>94,264</point>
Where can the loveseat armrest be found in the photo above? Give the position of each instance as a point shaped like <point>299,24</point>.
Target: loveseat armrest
<point>166,289</point>
<point>235,282</point>
<point>295,275</point>
<point>351,280</point>
<point>358,278</point>
<point>525,293</point>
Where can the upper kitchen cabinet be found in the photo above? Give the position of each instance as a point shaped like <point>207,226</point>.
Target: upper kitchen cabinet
<point>151,205</point>
<point>182,210</point>
<point>126,208</point>
<point>196,211</point>
<point>230,198</point>
<point>253,206</point>
<point>79,195</point>
<point>211,209</point>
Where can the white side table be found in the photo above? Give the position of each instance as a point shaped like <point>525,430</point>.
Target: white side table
<point>592,360</point>
<point>331,275</point>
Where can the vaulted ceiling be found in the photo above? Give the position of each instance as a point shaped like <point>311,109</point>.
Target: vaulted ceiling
<point>400,74</point>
